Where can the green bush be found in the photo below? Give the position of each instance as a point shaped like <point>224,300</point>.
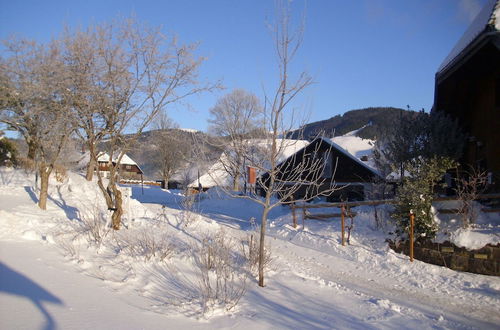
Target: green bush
<point>8,152</point>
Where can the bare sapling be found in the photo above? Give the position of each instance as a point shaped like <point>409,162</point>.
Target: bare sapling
<point>468,188</point>
<point>250,250</point>
<point>310,172</point>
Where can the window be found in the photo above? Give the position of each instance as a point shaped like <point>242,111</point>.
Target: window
<point>128,167</point>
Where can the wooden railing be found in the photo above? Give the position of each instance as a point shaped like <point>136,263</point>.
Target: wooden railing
<point>346,212</point>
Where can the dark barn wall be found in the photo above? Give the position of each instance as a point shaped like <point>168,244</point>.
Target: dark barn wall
<point>470,92</point>
<point>344,170</point>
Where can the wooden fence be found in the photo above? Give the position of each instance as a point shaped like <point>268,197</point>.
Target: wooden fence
<point>345,212</point>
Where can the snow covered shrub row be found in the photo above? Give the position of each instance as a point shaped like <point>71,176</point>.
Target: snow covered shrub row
<point>146,243</point>
<point>222,271</point>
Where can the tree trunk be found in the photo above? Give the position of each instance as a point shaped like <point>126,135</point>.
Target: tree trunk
<point>90,169</point>
<point>236,183</point>
<point>31,150</point>
<point>91,166</point>
<point>165,180</point>
<point>116,218</point>
<point>104,191</point>
<point>263,225</point>
<point>45,171</point>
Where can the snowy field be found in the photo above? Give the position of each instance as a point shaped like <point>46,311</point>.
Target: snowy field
<point>58,271</point>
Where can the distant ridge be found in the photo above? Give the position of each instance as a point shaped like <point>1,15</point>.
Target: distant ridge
<point>370,122</point>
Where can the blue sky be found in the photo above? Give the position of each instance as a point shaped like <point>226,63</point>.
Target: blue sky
<point>360,53</point>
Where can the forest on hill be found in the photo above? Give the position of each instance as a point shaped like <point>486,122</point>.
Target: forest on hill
<point>375,119</point>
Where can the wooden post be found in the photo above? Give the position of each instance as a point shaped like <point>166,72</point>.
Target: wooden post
<point>342,217</point>
<point>294,215</point>
<point>412,224</point>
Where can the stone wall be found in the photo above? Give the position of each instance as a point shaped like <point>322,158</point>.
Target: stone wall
<point>482,261</point>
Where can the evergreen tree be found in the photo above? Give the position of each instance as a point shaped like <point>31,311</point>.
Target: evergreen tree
<point>416,195</point>
<point>8,152</point>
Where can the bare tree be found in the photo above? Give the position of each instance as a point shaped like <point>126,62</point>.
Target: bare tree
<point>17,73</point>
<point>35,103</point>
<point>91,94</point>
<point>137,73</point>
<point>235,118</point>
<point>171,148</point>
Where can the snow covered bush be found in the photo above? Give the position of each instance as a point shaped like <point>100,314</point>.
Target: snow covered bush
<point>222,275</point>
<point>93,226</point>
<point>416,194</point>
<point>60,173</point>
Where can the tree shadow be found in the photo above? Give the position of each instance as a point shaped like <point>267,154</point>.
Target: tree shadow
<point>15,283</point>
<point>170,287</point>
<point>300,311</point>
<point>71,211</point>
<point>31,193</point>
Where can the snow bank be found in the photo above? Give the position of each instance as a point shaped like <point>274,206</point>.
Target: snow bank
<point>312,281</point>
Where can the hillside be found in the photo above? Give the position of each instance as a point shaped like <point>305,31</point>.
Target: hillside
<point>145,150</point>
<point>376,119</point>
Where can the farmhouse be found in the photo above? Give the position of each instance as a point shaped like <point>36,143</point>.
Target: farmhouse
<point>217,175</point>
<point>129,170</point>
<point>467,87</point>
<point>352,177</point>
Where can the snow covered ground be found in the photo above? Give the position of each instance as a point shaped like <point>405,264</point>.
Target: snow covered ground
<point>55,272</point>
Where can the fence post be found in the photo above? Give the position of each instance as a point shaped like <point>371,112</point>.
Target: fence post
<point>412,225</point>
<point>342,217</point>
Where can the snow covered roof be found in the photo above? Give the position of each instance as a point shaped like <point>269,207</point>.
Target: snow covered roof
<point>356,146</point>
<point>488,19</point>
<point>352,148</point>
<point>217,175</point>
<point>126,160</point>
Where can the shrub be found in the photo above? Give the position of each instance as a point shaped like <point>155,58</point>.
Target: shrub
<point>468,189</point>
<point>148,244</point>
<point>93,226</point>
<point>221,270</point>
<point>416,194</point>
<point>8,152</point>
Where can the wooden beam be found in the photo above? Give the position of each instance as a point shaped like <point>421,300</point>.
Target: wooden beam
<point>448,211</point>
<point>386,201</point>
<point>324,216</point>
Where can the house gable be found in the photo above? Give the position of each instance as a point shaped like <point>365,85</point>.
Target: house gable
<point>344,167</point>
<point>467,87</point>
